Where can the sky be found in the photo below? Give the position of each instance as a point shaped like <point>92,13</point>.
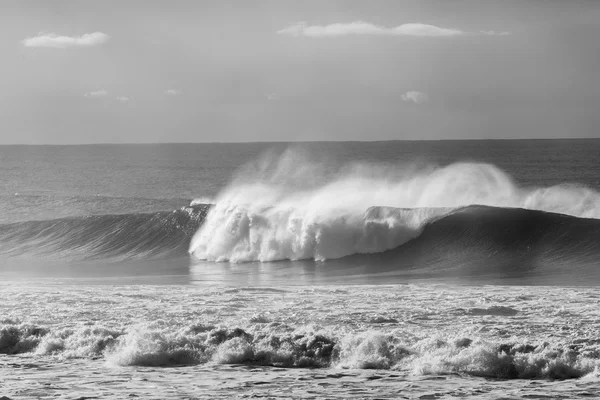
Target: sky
<point>146,71</point>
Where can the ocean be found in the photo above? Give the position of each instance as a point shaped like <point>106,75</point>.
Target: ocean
<point>400,269</point>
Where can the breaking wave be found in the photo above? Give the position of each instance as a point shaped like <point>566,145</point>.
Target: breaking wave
<point>290,209</point>
<point>270,344</point>
<point>392,217</point>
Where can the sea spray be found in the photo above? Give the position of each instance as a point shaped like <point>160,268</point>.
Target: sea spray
<point>291,207</point>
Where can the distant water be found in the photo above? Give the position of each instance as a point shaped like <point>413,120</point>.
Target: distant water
<point>319,212</point>
<point>426,270</point>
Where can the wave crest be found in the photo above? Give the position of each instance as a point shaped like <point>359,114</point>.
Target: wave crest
<point>359,209</point>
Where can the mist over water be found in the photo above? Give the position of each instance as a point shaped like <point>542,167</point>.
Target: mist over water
<point>289,206</point>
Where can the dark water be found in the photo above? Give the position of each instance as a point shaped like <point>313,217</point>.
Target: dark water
<point>122,210</point>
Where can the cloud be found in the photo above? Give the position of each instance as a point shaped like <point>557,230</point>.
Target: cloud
<point>364,28</point>
<point>122,99</point>
<point>62,42</point>
<point>172,92</point>
<point>272,97</point>
<point>415,97</point>
<point>98,93</point>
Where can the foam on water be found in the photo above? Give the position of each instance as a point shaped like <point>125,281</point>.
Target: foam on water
<point>270,345</point>
<point>370,337</point>
<point>290,207</point>
<point>490,332</point>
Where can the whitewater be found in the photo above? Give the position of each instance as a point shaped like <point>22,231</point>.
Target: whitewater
<point>327,270</point>
<point>400,341</point>
<point>296,209</point>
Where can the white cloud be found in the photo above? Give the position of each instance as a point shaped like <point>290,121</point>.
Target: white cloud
<point>62,42</point>
<point>122,99</point>
<point>272,97</point>
<point>172,92</point>
<point>415,97</point>
<point>98,93</point>
<point>366,28</point>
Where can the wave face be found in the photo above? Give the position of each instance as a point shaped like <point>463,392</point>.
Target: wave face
<point>481,242</point>
<point>289,209</point>
<point>108,237</point>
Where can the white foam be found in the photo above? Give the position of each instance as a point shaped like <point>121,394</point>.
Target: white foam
<point>425,329</point>
<point>202,201</point>
<point>294,208</point>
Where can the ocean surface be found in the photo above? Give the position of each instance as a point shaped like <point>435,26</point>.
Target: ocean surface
<point>430,270</point>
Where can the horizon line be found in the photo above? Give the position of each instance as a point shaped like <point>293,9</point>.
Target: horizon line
<point>295,141</point>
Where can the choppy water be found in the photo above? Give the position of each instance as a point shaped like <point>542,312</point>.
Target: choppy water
<point>291,251</point>
<point>402,341</point>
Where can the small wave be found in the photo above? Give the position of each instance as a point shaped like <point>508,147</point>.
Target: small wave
<point>264,344</point>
